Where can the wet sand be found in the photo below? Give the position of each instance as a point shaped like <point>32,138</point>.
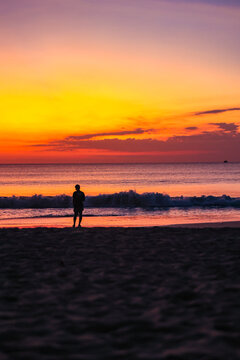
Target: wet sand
<point>223,224</point>
<point>120,293</point>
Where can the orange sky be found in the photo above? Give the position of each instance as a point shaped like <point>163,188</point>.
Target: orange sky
<point>127,82</point>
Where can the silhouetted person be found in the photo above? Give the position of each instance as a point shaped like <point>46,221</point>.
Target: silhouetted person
<point>78,199</point>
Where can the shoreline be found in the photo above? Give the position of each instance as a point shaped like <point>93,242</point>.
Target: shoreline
<point>222,224</point>
<point>203,225</point>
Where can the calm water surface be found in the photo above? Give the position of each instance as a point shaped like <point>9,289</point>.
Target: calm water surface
<point>173,179</point>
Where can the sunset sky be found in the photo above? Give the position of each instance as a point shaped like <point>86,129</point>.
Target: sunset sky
<point>119,81</point>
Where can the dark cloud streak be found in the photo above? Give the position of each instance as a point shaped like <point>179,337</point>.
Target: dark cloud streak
<point>216,111</point>
<point>191,128</point>
<point>137,131</point>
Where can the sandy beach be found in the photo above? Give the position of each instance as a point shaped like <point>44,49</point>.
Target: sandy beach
<point>120,293</point>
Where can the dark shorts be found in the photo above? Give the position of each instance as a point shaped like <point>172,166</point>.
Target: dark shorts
<point>78,209</point>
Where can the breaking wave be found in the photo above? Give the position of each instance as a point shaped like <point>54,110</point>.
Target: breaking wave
<point>128,199</point>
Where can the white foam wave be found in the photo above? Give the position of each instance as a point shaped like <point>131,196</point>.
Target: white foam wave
<point>128,199</point>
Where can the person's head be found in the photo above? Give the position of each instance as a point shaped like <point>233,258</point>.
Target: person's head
<point>77,187</point>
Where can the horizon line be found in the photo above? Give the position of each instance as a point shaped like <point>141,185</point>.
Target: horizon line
<point>128,163</point>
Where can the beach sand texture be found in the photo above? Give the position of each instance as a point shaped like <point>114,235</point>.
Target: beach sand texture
<point>120,293</point>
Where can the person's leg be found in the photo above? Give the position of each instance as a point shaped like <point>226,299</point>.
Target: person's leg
<point>74,218</point>
<point>80,218</point>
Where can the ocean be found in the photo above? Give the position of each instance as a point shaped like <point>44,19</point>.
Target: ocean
<point>120,194</point>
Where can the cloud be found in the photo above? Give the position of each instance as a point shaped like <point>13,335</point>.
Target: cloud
<point>216,111</point>
<point>114,133</point>
<point>229,127</point>
<point>191,128</point>
<point>211,146</point>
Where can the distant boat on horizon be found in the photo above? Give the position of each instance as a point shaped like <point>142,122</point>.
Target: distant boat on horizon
<point>225,161</point>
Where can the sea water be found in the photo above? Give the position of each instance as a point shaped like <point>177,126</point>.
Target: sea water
<point>120,194</point>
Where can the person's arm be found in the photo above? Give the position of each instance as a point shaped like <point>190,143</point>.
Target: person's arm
<point>83,196</point>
